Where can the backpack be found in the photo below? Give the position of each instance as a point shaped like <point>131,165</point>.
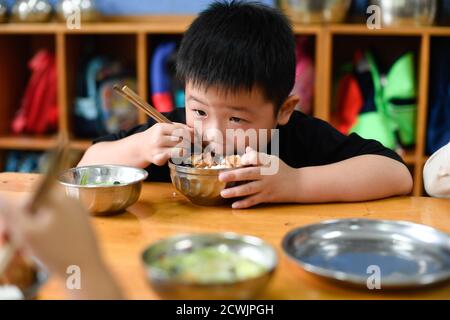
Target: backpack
<point>384,108</point>
<point>38,112</point>
<point>98,111</point>
<point>161,83</point>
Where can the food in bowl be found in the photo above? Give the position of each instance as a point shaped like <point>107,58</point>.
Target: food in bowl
<point>208,160</point>
<point>22,278</point>
<point>210,265</point>
<point>20,272</point>
<point>85,182</point>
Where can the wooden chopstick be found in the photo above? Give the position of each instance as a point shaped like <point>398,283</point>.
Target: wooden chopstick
<point>56,163</point>
<point>138,102</point>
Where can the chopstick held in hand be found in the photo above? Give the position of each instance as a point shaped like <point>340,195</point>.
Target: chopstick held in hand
<point>58,160</point>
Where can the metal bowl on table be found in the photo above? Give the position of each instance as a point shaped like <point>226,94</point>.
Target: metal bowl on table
<point>211,283</point>
<point>104,189</point>
<point>316,11</point>
<point>407,13</point>
<point>201,186</point>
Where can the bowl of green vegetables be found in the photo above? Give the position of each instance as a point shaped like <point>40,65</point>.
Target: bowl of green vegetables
<point>104,189</point>
<point>209,266</point>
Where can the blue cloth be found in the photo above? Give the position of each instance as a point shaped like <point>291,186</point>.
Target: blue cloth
<point>26,162</point>
<point>139,7</point>
<point>359,7</point>
<point>160,80</point>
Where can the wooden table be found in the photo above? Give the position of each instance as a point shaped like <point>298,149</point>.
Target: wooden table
<point>161,213</point>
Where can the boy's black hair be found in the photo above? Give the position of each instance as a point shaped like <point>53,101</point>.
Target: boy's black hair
<point>237,45</point>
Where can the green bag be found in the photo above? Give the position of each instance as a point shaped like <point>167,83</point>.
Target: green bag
<point>393,121</point>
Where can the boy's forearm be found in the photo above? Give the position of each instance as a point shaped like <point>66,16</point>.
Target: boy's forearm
<point>361,178</point>
<point>127,151</point>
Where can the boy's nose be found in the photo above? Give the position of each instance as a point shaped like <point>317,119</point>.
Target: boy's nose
<point>213,130</point>
<point>211,135</point>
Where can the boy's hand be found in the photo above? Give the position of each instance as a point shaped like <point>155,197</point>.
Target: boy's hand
<point>270,180</point>
<point>165,140</point>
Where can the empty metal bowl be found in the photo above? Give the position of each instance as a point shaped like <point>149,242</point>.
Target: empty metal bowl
<point>3,12</point>
<point>169,287</point>
<point>104,189</point>
<point>32,11</point>
<point>316,11</point>
<point>201,186</point>
<point>65,9</point>
<point>407,13</point>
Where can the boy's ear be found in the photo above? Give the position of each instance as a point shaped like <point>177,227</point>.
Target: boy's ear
<point>284,113</point>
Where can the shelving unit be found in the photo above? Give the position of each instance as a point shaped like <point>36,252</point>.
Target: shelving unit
<point>131,41</point>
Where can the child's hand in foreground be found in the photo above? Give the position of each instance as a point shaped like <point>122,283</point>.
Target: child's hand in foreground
<point>60,236</point>
<point>163,141</point>
<point>269,180</point>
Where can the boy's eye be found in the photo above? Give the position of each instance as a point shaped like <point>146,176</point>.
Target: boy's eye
<point>236,120</point>
<point>200,113</point>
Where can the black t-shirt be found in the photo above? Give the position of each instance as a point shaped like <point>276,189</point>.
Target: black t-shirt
<point>303,142</point>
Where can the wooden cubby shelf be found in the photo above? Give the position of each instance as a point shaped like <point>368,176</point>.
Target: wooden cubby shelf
<point>133,42</point>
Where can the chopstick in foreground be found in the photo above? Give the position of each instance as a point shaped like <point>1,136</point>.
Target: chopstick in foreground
<point>58,160</point>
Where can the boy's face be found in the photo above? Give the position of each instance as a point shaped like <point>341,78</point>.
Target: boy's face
<point>217,112</point>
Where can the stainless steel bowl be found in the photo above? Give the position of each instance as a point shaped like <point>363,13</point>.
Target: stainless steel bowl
<point>316,11</point>
<point>201,186</point>
<point>3,12</point>
<point>65,9</point>
<point>32,11</point>
<point>247,246</point>
<point>93,186</point>
<point>407,13</point>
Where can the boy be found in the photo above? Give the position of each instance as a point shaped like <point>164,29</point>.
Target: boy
<point>237,60</point>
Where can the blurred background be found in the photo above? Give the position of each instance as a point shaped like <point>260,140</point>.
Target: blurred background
<point>376,67</point>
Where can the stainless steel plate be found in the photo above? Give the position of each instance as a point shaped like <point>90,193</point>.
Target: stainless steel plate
<point>351,250</point>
